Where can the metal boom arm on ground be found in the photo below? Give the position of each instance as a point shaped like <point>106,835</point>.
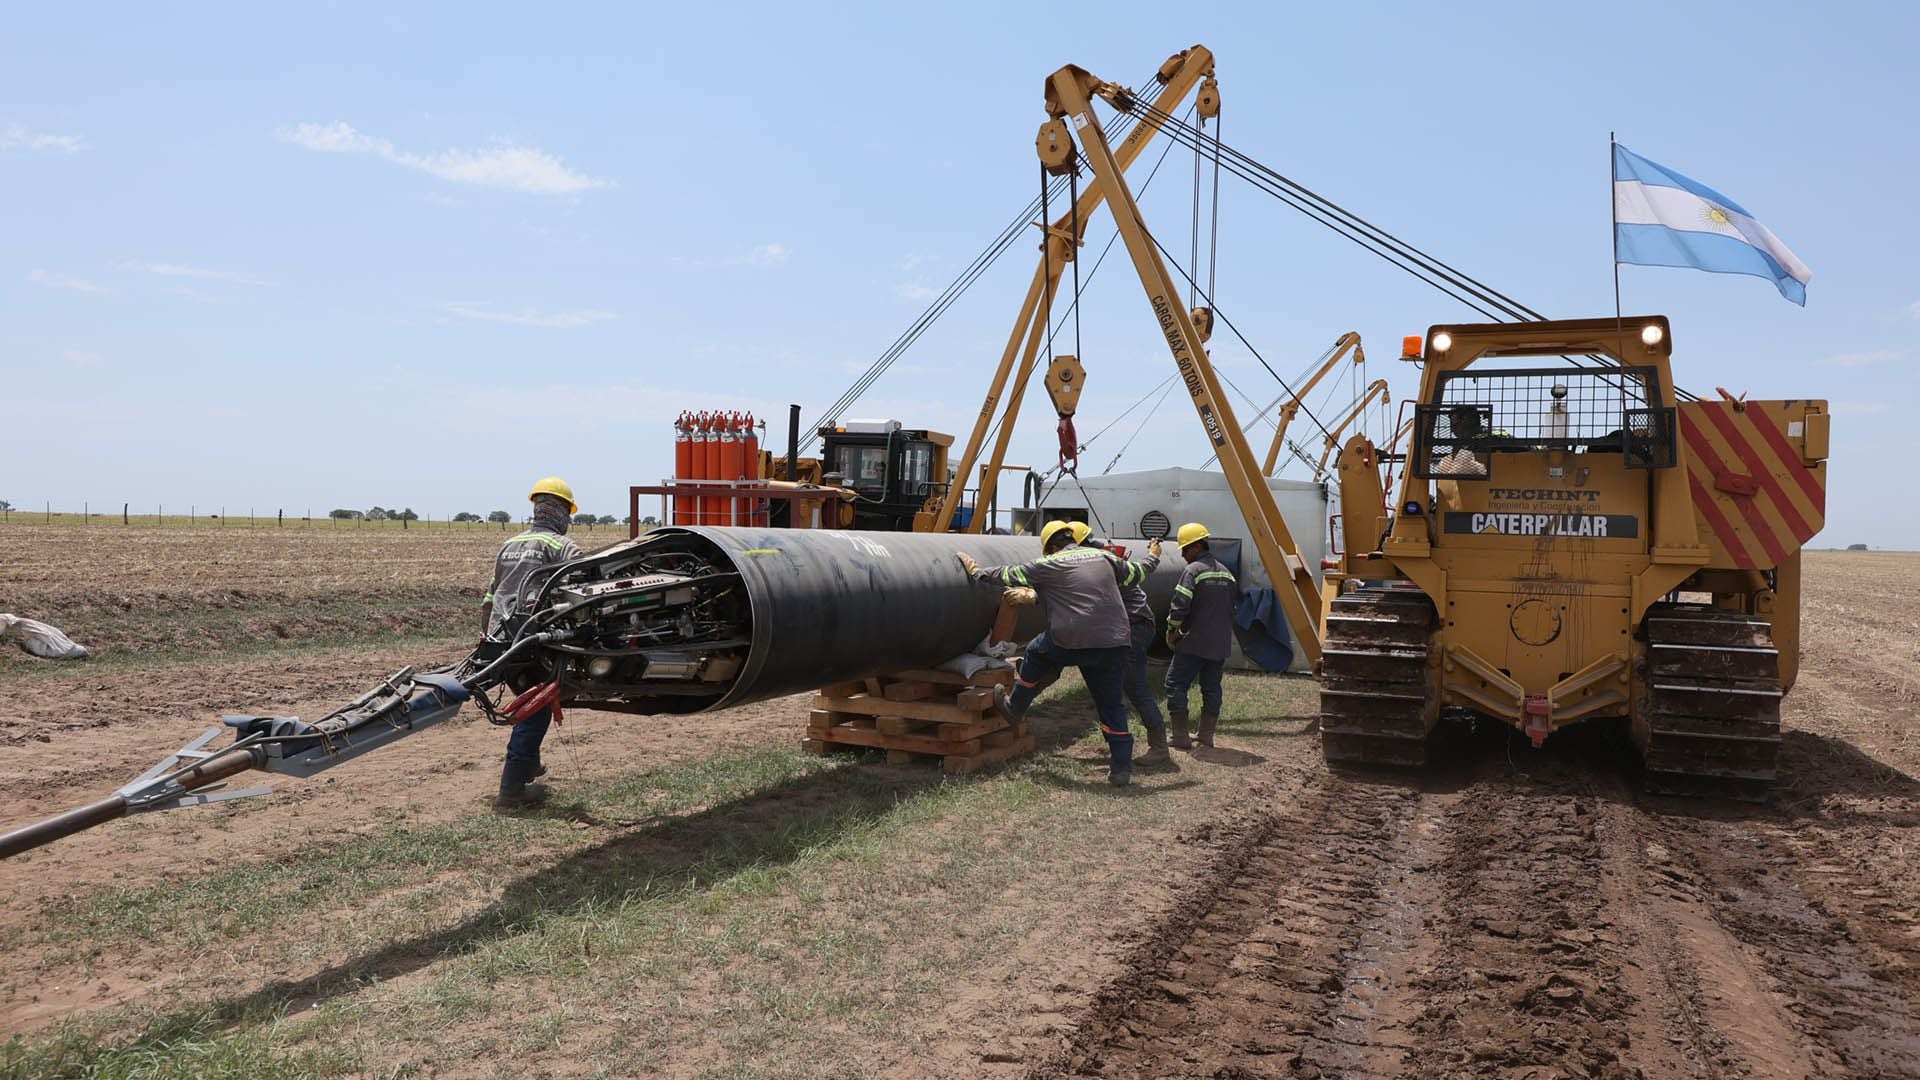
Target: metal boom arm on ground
<point>1069,94</point>
<point>1179,75</point>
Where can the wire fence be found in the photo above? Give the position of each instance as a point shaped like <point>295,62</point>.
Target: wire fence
<point>125,514</point>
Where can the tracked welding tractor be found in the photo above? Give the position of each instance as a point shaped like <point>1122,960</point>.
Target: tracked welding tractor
<point>1572,542</point>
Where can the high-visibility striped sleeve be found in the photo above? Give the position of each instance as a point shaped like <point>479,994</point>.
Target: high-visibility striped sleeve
<point>1183,591</point>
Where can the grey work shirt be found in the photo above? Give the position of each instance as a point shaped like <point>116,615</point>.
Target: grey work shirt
<point>1081,588</point>
<point>1203,607</point>
<point>519,557</point>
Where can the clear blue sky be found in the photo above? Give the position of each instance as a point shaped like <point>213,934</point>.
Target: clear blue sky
<point>352,255</point>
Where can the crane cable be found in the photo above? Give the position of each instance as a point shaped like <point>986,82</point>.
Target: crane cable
<point>1441,275</point>
<point>994,428</point>
<point>988,256</point>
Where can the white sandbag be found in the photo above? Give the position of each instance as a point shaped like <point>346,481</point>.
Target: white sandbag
<point>984,656</point>
<point>40,639</point>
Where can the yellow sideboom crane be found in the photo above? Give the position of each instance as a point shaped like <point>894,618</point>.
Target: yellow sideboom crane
<point>1069,100</point>
<point>1376,389</point>
<point>1059,247</point>
<point>1349,342</point>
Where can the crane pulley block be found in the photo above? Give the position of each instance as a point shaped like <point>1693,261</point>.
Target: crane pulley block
<point>1207,103</point>
<point>1203,322</point>
<point>1065,378</point>
<point>1055,146</point>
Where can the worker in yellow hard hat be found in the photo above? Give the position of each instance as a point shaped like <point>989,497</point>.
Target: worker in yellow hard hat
<point>1141,630</point>
<point>544,543</point>
<point>1200,633</point>
<point>1086,628</point>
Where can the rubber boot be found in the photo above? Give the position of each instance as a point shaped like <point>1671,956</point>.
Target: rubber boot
<point>1207,721</point>
<point>1177,725</point>
<point>1156,749</point>
<point>1120,778</point>
<point>515,790</point>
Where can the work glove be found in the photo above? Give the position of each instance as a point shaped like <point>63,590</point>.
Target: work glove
<point>1175,637</point>
<point>967,563</point>
<point>1019,596</point>
<point>1153,548</point>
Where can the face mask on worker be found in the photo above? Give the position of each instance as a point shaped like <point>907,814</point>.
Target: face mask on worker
<point>551,513</point>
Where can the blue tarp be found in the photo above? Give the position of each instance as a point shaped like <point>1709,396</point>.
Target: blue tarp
<point>1261,627</point>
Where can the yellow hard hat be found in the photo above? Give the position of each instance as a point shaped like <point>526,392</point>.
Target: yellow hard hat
<point>1050,530</point>
<point>1080,530</point>
<point>1192,532</point>
<point>558,488</point>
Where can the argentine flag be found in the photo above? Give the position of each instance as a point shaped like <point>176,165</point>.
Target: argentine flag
<point>1661,218</point>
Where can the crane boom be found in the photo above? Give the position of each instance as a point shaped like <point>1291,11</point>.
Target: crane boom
<point>1069,94</point>
<point>1349,342</point>
<point>1180,74</point>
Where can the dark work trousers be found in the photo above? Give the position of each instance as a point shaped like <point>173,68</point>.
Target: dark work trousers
<point>524,743</point>
<point>1181,674</point>
<point>1139,694</point>
<point>1105,673</point>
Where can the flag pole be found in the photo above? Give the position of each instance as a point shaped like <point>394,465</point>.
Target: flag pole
<point>1613,215</point>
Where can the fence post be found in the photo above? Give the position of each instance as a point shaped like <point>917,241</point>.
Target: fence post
<point>123,515</point>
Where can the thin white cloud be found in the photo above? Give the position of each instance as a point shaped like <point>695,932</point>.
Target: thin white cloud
<point>1858,408</point>
<point>915,291</point>
<point>570,319</point>
<point>1861,359</point>
<point>200,295</point>
<point>198,272</point>
<point>17,137</point>
<point>80,358</point>
<point>915,261</point>
<point>65,281</point>
<point>1914,309</point>
<point>772,254</point>
<point>502,165</point>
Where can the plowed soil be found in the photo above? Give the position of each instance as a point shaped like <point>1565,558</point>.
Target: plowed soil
<point>1532,914</point>
<point>1509,912</point>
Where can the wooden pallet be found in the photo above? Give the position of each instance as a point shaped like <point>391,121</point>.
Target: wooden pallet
<point>919,715</point>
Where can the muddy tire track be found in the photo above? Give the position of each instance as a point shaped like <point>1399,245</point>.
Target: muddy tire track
<point>1533,920</point>
<point>1246,978</point>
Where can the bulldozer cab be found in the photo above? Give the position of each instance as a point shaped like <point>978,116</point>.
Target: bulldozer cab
<point>895,470</point>
<point>1500,407</point>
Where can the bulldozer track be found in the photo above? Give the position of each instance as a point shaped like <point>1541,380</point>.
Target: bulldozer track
<point>1375,704</point>
<point>1550,921</point>
<point>1709,721</point>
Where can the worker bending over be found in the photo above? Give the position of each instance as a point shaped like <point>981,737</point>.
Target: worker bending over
<point>1200,633</point>
<point>544,543</point>
<point>1086,628</point>
<point>1141,628</point>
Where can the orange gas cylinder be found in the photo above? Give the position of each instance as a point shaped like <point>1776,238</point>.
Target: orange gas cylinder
<point>706,463</point>
<point>683,509</point>
<point>750,454</point>
<point>730,467</point>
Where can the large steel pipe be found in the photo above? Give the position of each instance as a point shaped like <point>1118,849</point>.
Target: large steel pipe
<point>829,606</point>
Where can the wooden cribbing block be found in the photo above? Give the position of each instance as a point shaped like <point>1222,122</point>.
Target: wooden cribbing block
<point>989,677</point>
<point>919,744</point>
<point>869,705</point>
<point>909,690</point>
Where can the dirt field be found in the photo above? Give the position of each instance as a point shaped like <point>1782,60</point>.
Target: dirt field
<point>701,900</point>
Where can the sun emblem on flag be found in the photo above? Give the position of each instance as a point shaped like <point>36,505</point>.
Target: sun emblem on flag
<point>1716,217</point>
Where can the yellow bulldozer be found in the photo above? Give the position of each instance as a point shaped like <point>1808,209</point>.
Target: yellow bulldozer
<point>1571,541</point>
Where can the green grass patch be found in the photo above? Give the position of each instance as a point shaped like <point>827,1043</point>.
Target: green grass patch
<point>776,912</point>
<point>194,1047</point>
